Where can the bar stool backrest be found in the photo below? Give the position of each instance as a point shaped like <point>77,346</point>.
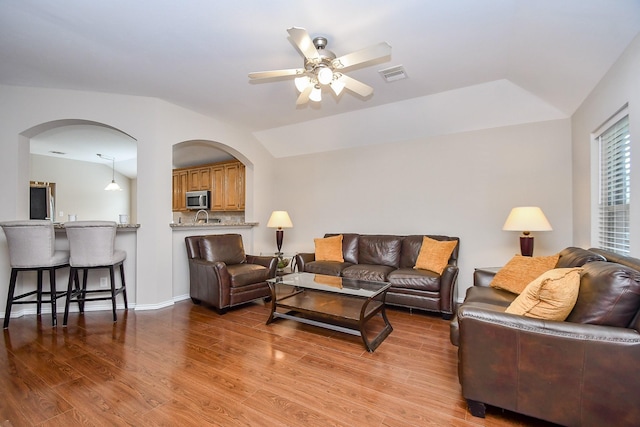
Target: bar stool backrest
<point>32,244</point>
<point>92,243</point>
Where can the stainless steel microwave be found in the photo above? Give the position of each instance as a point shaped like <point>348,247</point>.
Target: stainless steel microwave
<point>198,199</point>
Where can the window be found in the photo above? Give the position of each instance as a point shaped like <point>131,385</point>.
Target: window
<point>615,168</point>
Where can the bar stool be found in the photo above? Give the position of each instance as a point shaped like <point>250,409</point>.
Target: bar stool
<point>32,248</point>
<point>92,246</point>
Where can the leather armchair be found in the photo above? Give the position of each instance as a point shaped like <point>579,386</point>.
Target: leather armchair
<point>222,275</point>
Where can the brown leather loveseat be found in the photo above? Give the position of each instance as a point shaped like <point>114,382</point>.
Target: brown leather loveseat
<point>222,275</point>
<point>578,372</point>
<point>390,258</point>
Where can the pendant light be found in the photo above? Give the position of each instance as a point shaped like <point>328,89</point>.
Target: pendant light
<point>113,185</point>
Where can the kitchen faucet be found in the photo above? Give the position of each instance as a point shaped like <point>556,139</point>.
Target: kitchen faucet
<point>195,219</point>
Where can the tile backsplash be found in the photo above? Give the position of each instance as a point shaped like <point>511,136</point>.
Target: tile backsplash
<point>224,217</point>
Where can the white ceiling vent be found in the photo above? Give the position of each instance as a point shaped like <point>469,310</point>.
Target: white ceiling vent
<point>392,74</point>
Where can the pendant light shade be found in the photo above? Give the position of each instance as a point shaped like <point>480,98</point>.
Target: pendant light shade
<point>113,185</point>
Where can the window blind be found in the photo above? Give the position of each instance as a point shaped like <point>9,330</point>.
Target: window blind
<point>615,171</point>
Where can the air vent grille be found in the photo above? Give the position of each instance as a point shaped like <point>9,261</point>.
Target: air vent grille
<point>392,74</point>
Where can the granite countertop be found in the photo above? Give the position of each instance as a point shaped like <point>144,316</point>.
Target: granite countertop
<point>186,225</point>
<point>60,226</point>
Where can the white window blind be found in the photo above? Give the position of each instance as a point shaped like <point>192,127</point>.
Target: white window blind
<point>615,169</point>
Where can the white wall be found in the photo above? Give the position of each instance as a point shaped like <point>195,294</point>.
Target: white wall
<point>80,188</point>
<point>620,85</point>
<point>459,185</point>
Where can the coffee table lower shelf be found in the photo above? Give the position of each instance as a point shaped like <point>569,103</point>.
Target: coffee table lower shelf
<point>341,313</point>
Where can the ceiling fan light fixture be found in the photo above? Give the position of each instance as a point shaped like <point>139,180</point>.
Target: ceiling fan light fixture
<point>325,76</point>
<point>302,83</point>
<point>316,94</point>
<point>337,85</point>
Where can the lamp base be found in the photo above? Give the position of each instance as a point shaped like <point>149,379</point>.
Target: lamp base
<point>279,236</point>
<point>526,245</point>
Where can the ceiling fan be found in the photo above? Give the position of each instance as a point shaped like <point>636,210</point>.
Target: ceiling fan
<point>322,68</point>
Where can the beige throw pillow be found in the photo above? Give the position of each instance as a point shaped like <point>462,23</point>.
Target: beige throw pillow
<point>434,254</point>
<point>521,270</point>
<point>551,296</point>
<point>329,248</point>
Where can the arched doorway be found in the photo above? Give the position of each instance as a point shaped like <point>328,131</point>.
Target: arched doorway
<point>210,156</point>
<point>64,155</point>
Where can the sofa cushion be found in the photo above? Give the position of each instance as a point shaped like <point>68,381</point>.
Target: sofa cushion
<point>609,295</point>
<point>247,274</point>
<point>551,296</point>
<point>329,248</point>
<point>379,250</point>
<point>374,273</point>
<point>425,280</point>
<point>225,248</point>
<point>349,246</point>
<point>521,270</point>
<point>434,254</point>
<point>329,268</point>
<point>488,295</point>
<point>577,257</point>
<point>410,249</point>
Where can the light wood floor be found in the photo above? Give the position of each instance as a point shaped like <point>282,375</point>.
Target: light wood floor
<point>187,365</point>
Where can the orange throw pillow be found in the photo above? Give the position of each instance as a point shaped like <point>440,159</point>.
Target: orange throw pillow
<point>434,254</point>
<point>522,270</point>
<point>329,248</point>
<point>551,296</point>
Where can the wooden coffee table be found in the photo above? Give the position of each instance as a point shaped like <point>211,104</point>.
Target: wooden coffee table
<point>335,303</point>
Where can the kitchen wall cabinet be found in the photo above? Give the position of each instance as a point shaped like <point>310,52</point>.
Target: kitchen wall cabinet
<point>225,181</point>
<point>217,188</point>
<point>180,178</point>
<point>200,179</point>
<point>234,186</point>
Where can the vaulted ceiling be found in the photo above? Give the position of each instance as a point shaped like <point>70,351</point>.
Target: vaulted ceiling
<point>470,63</point>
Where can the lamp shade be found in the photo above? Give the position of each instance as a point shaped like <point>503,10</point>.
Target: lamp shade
<point>527,218</point>
<point>279,219</point>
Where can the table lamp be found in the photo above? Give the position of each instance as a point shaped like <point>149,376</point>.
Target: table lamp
<point>526,219</point>
<point>279,220</point>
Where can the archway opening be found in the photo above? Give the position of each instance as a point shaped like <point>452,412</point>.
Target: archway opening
<point>64,155</point>
<point>215,168</point>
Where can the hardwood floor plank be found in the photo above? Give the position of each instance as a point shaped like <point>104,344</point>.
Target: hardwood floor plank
<point>188,365</point>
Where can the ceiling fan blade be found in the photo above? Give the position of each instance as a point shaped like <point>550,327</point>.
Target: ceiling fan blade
<point>304,43</point>
<point>356,86</point>
<point>276,73</point>
<point>304,95</point>
<point>370,53</point>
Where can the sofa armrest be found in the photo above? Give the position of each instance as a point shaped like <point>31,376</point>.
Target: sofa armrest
<point>484,276</point>
<point>558,371</point>
<point>448,290</point>
<point>302,259</point>
<point>266,261</point>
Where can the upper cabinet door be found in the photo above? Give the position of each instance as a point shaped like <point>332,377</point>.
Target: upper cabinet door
<point>200,179</point>
<point>217,190</point>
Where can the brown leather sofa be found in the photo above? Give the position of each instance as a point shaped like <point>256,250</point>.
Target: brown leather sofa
<point>580,372</point>
<point>390,258</point>
<point>222,275</point>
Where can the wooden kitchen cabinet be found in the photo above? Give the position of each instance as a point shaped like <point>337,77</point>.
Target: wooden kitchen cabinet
<point>231,182</point>
<point>217,190</point>
<point>180,178</point>
<point>200,179</point>
<point>225,181</point>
